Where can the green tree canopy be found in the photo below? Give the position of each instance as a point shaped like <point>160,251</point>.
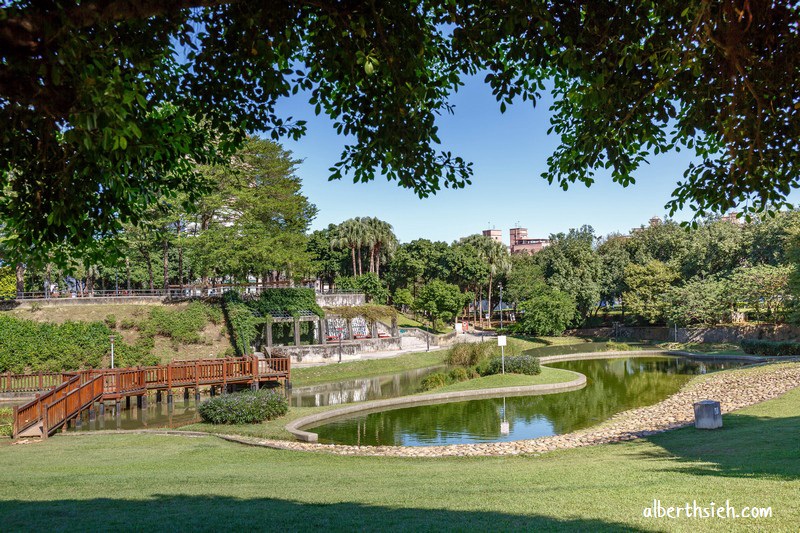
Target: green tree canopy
<point>108,104</point>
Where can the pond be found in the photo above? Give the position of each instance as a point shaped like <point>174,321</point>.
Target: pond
<point>156,415</point>
<point>402,383</point>
<point>361,390</point>
<point>613,385</point>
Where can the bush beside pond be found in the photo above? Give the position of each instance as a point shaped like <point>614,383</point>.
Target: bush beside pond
<point>770,348</point>
<point>514,364</point>
<point>249,407</point>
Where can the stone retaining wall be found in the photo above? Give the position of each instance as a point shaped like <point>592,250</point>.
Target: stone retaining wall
<point>313,353</point>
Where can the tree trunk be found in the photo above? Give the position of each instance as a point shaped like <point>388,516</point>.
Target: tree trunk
<point>378,260</point>
<point>489,301</point>
<point>20,280</point>
<point>128,275</point>
<point>360,262</point>
<point>372,259</point>
<point>180,258</point>
<point>353,255</point>
<point>90,282</point>
<point>166,266</point>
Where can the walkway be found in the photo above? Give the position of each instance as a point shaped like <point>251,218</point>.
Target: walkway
<point>71,393</point>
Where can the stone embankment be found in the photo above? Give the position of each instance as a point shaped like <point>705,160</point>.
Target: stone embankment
<point>733,389</point>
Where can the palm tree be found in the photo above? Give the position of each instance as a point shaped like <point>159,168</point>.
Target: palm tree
<point>350,234</point>
<point>496,257</point>
<point>379,237</point>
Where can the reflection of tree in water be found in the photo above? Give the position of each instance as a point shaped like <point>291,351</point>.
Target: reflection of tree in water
<point>613,385</point>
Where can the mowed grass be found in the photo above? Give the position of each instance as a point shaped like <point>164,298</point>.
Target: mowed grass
<point>147,482</point>
<point>548,375</point>
<point>367,368</point>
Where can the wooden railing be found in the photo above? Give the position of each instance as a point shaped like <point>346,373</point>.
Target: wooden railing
<point>72,392</point>
<point>30,382</point>
<point>32,412</point>
<point>68,405</point>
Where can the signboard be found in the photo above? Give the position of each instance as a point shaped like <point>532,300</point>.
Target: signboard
<point>504,429</point>
<point>459,327</point>
<point>501,340</point>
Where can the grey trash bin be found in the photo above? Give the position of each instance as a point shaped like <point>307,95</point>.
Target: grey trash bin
<point>707,415</point>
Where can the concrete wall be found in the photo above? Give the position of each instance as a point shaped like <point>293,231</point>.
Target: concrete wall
<point>318,353</point>
<point>435,340</point>
<point>730,334</point>
<point>340,300</point>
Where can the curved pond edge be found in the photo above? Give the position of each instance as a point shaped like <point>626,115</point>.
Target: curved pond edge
<point>735,389</point>
<point>296,426</point>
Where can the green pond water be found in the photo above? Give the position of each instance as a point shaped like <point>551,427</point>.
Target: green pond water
<point>614,385</point>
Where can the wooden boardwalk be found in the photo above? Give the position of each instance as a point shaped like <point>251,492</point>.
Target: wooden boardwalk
<point>71,393</point>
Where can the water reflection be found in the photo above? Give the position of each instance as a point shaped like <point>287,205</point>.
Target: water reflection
<point>155,415</point>
<point>361,390</point>
<point>613,385</point>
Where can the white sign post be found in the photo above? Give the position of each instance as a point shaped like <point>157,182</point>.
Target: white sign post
<point>501,342</point>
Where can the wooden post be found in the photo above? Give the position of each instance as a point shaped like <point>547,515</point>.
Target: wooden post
<point>41,381</point>
<point>45,422</point>
<point>14,426</point>
<point>139,401</point>
<point>127,402</point>
<point>296,331</point>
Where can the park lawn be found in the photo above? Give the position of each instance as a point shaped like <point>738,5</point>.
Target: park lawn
<point>547,376</point>
<point>367,368</point>
<point>141,482</point>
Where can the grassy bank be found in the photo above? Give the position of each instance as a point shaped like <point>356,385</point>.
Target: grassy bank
<point>364,369</point>
<point>138,482</point>
<point>548,376</point>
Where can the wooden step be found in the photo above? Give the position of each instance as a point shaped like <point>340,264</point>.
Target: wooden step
<point>35,430</point>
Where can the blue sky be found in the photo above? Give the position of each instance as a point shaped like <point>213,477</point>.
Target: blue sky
<point>509,152</point>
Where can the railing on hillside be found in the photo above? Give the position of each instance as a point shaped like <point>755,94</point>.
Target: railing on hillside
<point>174,291</point>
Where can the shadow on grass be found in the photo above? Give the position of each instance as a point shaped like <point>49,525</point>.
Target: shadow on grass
<point>205,513</point>
<point>746,446</point>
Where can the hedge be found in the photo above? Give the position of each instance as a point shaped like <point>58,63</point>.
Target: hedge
<point>246,407</point>
<point>771,348</point>
<point>8,283</point>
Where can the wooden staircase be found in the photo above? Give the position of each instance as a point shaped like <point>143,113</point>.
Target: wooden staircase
<point>79,391</point>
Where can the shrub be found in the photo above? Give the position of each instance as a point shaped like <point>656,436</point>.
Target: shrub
<point>515,364</point>
<point>619,346</point>
<point>127,323</point>
<point>111,321</point>
<point>6,421</point>
<point>770,348</point>
<point>8,283</point>
<point>244,407</point>
<point>469,354</point>
<point>433,381</point>
<point>458,374</point>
